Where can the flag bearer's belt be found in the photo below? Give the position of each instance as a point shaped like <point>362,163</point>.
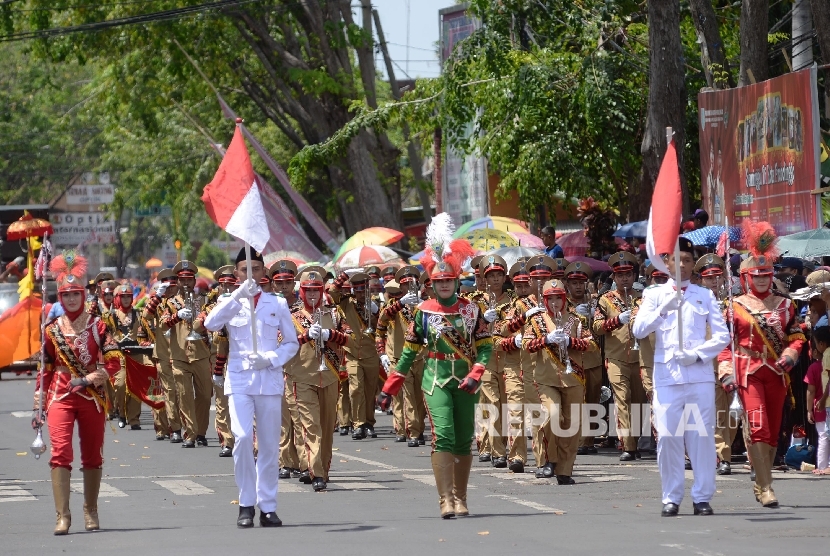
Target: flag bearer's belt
<point>757,354</point>
<point>443,356</point>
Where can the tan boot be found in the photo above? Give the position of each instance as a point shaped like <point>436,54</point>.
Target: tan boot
<point>461,476</point>
<point>773,450</point>
<point>442,467</point>
<point>763,475</point>
<point>60,491</point>
<point>92,484</point>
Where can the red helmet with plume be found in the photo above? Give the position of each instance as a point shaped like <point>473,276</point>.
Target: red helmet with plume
<point>444,256</point>
<point>761,239</point>
<point>69,269</point>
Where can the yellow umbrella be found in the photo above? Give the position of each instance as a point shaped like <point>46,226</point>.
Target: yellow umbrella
<point>153,263</point>
<point>489,239</point>
<point>205,273</point>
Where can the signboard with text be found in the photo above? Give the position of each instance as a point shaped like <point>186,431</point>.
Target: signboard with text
<point>90,194</point>
<point>75,228</point>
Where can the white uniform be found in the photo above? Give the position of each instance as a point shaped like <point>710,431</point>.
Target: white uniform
<point>254,393</point>
<point>684,399</point>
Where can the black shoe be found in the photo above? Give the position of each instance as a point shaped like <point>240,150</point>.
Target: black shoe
<point>189,444</point>
<point>113,416</point>
<point>421,440</point>
<point>176,438</point>
<point>201,441</point>
<point>295,473</point>
<point>500,463</point>
<point>669,510</point>
<point>703,508</point>
<point>565,480</point>
<point>359,433</point>
<point>305,477</point>
<point>246,517</point>
<point>399,438</point>
<point>582,451</point>
<point>484,457</point>
<point>628,456</point>
<point>121,422</point>
<point>370,431</point>
<point>161,436</point>
<point>226,452</point>
<point>269,519</point>
<point>413,443</point>
<point>688,465</point>
<point>318,484</point>
<point>638,455</point>
<point>591,450</point>
<point>545,472</point>
<point>344,431</point>
<point>135,427</point>
<point>516,466</point>
<point>285,473</point>
<point>725,468</point>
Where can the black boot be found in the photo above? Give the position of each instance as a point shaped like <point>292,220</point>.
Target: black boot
<point>344,431</point>
<point>725,468</point>
<point>400,438</point>
<point>413,443</point>
<point>201,441</point>
<point>285,473</point>
<point>269,519</point>
<point>305,477</point>
<point>421,440</point>
<point>226,452</point>
<point>176,438</point>
<point>516,466</point>
<point>484,457</point>
<point>246,517</point>
<point>318,484</point>
<point>359,433</point>
<point>370,431</point>
<point>500,463</point>
<point>565,480</point>
<point>669,510</point>
<point>703,508</point>
<point>628,456</point>
<point>122,422</point>
<point>546,471</point>
<point>189,443</point>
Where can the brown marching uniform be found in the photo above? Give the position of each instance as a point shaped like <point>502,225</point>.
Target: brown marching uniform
<point>219,349</point>
<point>623,361</point>
<point>591,364</point>
<point>154,314</point>
<point>127,406</point>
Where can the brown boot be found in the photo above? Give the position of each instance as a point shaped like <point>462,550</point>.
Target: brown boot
<point>762,464</point>
<point>461,476</point>
<point>772,451</point>
<point>60,490</point>
<point>442,467</point>
<point>92,484</point>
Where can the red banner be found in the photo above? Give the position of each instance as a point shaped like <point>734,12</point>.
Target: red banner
<point>143,383</point>
<point>759,152</point>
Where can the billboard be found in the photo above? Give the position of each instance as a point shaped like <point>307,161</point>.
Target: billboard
<point>759,152</point>
<point>74,228</point>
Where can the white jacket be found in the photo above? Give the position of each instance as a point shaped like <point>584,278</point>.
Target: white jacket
<point>699,309</point>
<point>272,317</point>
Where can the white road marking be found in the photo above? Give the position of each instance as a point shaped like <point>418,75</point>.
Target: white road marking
<point>22,414</point>
<point>184,488</point>
<point>367,461</point>
<point>528,503</point>
<point>429,480</point>
<point>354,483</point>
<point>107,490</point>
<point>13,493</point>
<point>290,486</point>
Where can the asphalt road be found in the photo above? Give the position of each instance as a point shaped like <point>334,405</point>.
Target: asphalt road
<point>159,498</point>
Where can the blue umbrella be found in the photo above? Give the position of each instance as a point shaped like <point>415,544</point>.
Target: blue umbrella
<point>709,236</point>
<point>632,229</point>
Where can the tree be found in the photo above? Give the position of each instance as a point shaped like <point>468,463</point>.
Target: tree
<point>712,49</point>
<point>754,30</point>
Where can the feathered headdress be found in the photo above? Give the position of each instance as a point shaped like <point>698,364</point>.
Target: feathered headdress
<point>69,269</point>
<point>444,256</point>
<point>761,240</point>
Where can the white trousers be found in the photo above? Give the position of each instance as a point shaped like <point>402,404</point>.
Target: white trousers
<point>685,419</point>
<point>257,481</point>
<point>823,445</point>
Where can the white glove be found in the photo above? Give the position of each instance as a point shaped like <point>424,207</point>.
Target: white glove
<point>637,287</point>
<point>248,288</point>
<point>490,315</point>
<point>161,288</point>
<point>411,299</point>
<point>219,381</point>
<point>185,314</point>
<point>317,332</point>
<point>384,360</point>
<point>670,304</point>
<point>558,337</point>
<point>685,357</point>
<point>625,317</point>
<point>375,308</point>
<point>517,341</point>
<point>258,361</point>
<point>584,309</point>
<point>534,311</point>
<point>19,261</point>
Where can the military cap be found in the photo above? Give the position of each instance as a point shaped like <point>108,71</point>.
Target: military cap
<point>474,262</point>
<point>185,269</point>
<point>392,287</point>
<point>109,286</point>
<point>224,274</point>
<point>283,269</point>
<point>359,281</point>
<point>103,277</point>
<point>541,266</point>
<point>519,272</point>
<point>709,265</point>
<point>491,262</point>
<point>578,271</point>
<point>559,269</point>
<point>166,274</point>
<point>389,272</point>
<point>313,277</point>
<point>373,272</point>
<point>622,261</point>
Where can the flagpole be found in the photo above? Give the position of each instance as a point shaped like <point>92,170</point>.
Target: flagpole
<point>669,137</point>
<point>253,299</point>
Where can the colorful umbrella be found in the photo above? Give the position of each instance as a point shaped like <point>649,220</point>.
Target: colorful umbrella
<point>812,243</point>
<point>296,258</point>
<point>28,226</point>
<point>573,244</point>
<point>513,254</point>
<point>488,239</point>
<point>528,240</point>
<point>370,236</point>
<point>493,222</point>
<point>710,235</point>
<point>596,266</point>
<point>365,256</point>
<point>632,229</point>
<point>153,263</point>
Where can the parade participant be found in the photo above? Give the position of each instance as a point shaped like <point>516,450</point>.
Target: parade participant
<point>375,287</point>
<point>459,346</point>
<point>413,395</point>
<point>559,270</point>
<point>389,351</point>
<point>95,303</point>
<point>190,355</point>
<point>483,440</point>
<point>312,377</point>
<point>683,380</point>
<point>161,423</point>
<point>73,390</point>
<point>612,319</point>
<point>767,344</point>
<point>558,381</point>
<point>127,331</point>
<point>518,367</point>
<point>653,277</point>
<point>255,386</point>
<point>283,275</point>
<point>219,355</point>
<point>153,313</point>
<point>710,268</point>
<point>388,273</point>
<point>492,270</point>
<point>362,360</point>
<point>576,277</point>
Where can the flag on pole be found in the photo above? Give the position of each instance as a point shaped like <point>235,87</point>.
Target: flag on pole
<point>666,211</point>
<point>232,199</point>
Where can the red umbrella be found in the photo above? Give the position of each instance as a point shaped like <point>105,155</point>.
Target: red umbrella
<point>596,266</point>
<point>574,244</point>
<point>28,226</point>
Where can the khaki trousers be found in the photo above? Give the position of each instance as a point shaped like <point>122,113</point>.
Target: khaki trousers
<point>363,382</point>
<point>559,446</point>
<point>628,390</point>
<point>725,428</point>
<point>344,405</point>
<point>492,392</point>
<point>413,400</point>
<point>289,456</point>
<point>126,405</point>
<point>314,410</point>
<point>398,422</point>
<point>171,394</point>
<point>223,417</point>
<point>194,388</point>
<point>593,391</point>
<point>160,422</point>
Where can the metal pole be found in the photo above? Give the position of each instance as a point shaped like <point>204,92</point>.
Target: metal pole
<point>253,299</point>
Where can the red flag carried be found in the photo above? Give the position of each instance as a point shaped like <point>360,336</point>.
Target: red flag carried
<point>232,199</point>
<point>666,211</point>
<point>144,383</point>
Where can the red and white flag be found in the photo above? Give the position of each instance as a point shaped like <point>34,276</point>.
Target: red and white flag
<point>666,211</point>
<point>232,199</point>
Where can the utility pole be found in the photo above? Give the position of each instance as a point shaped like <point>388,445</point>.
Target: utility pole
<point>802,33</point>
<point>414,156</point>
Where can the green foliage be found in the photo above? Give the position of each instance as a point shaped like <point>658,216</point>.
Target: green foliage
<point>211,257</point>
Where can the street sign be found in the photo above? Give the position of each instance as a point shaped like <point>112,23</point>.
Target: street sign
<point>90,194</point>
<point>154,210</point>
<point>74,228</point>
